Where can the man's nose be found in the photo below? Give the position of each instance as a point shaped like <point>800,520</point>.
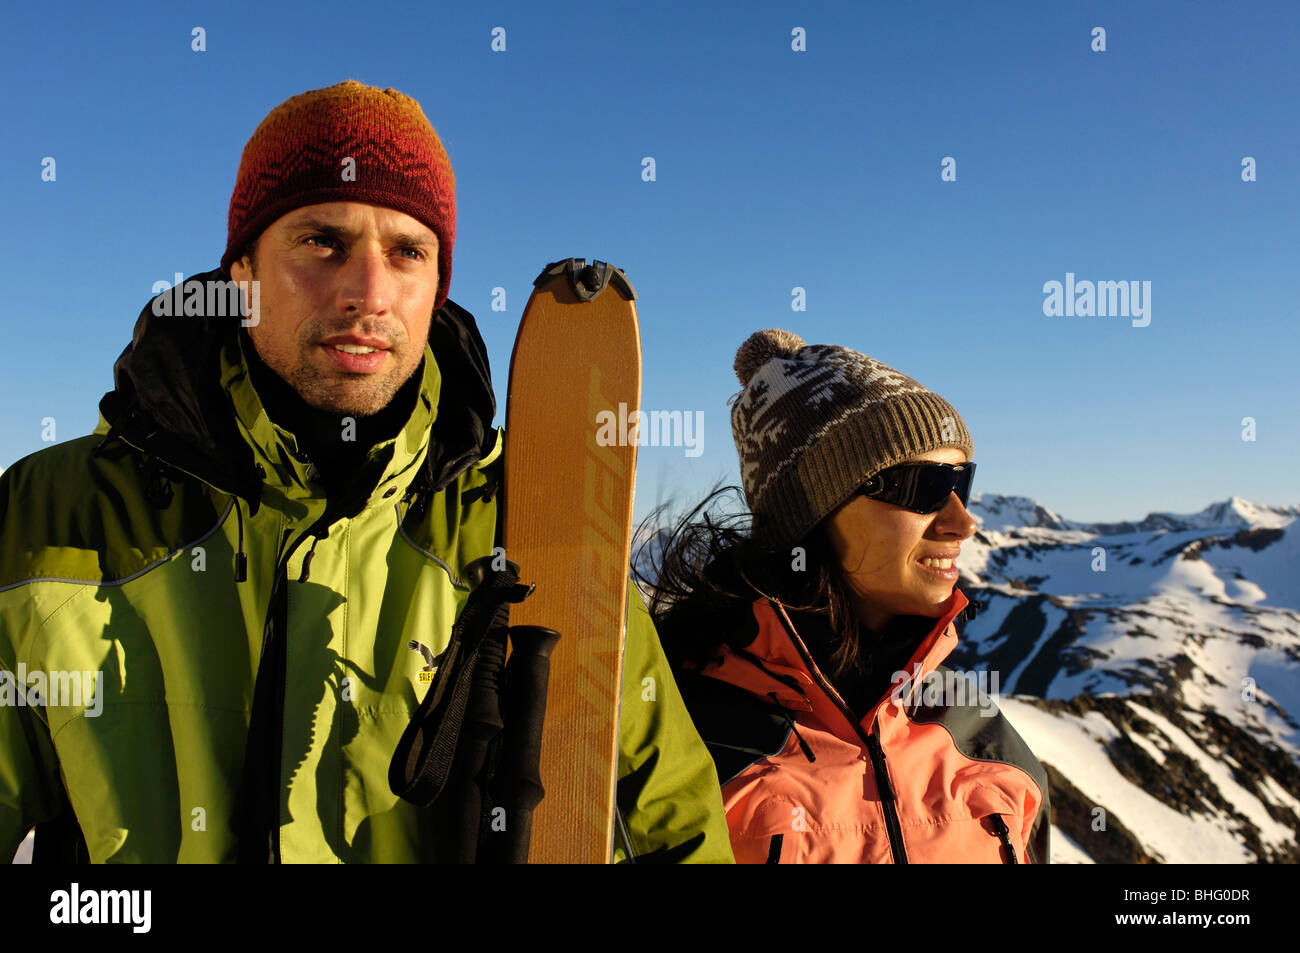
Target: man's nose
<point>366,283</point>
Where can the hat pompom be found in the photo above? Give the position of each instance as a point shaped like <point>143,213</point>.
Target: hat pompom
<point>760,347</point>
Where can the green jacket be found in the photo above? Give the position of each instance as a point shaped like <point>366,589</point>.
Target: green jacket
<point>118,555</point>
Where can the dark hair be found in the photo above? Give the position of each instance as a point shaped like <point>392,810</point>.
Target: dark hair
<point>707,570</point>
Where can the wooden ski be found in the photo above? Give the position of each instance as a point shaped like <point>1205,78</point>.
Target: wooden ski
<point>575,376</point>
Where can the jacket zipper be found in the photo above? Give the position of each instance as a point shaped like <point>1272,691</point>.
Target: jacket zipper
<point>274,661</point>
<point>1004,834</point>
<point>278,613</point>
<point>887,799</point>
<point>278,624</point>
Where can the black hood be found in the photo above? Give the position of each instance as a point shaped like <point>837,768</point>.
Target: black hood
<point>168,400</point>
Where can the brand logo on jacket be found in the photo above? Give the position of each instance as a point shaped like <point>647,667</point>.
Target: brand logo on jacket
<point>425,675</point>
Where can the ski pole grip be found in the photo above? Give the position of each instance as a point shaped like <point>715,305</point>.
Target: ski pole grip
<point>529,673</point>
<point>483,723</point>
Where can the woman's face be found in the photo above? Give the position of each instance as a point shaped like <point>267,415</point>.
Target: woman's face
<point>881,546</point>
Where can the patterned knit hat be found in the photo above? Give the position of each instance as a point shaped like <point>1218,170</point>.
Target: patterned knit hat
<point>298,156</point>
<point>815,422</point>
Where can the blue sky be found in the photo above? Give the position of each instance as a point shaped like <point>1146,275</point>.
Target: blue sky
<point>775,169</point>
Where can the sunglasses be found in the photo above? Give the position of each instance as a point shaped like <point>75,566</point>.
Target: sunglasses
<point>921,487</point>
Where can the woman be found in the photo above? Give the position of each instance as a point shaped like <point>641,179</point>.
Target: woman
<point>808,649</point>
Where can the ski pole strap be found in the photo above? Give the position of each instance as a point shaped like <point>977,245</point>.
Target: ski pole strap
<point>466,800</point>
<point>424,756</point>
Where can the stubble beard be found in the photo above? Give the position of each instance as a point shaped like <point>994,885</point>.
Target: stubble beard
<point>353,395</point>
<point>356,395</point>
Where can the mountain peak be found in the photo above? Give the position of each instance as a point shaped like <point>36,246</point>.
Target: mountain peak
<point>1232,513</point>
<point>1000,512</point>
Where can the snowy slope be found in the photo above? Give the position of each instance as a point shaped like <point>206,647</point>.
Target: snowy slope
<point>1156,669</point>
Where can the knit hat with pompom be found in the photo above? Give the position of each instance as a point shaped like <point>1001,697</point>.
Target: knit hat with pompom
<point>816,421</point>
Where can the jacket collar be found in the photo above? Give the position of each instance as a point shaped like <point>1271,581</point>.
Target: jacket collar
<point>182,393</point>
<point>289,475</point>
<point>778,663</point>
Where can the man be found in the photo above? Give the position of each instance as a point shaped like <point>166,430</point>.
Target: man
<point>238,581</point>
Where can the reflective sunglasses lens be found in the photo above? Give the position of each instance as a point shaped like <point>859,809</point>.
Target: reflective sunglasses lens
<point>931,485</point>
<point>964,480</point>
<point>935,486</point>
<point>924,487</point>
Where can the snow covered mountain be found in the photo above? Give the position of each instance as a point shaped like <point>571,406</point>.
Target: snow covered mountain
<point>998,513</point>
<point>1155,669</point>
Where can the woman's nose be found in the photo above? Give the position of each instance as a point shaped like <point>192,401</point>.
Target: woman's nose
<point>955,519</point>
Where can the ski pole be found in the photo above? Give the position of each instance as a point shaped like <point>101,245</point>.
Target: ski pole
<point>524,706</point>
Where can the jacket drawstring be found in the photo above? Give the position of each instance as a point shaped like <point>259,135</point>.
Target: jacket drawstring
<point>789,719</point>
<point>420,495</point>
<point>254,503</point>
<point>1004,834</point>
<point>109,437</point>
<point>157,487</point>
<point>114,432</point>
<point>306,562</point>
<point>787,680</point>
<point>970,611</point>
<point>241,561</point>
<point>912,700</point>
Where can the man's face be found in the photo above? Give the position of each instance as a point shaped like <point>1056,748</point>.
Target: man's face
<point>347,292</point>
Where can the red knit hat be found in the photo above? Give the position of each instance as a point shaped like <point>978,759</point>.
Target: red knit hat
<point>297,155</point>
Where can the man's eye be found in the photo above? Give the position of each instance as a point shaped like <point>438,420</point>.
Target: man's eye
<point>329,241</point>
